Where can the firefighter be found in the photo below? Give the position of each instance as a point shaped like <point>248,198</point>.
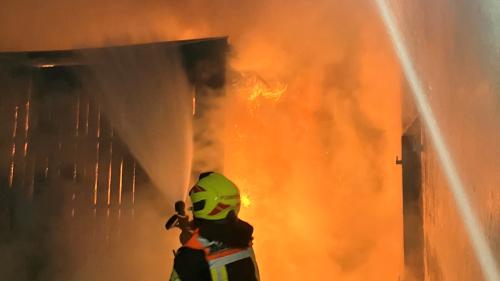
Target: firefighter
<point>220,248</point>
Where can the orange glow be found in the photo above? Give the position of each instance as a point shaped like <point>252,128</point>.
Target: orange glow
<point>75,171</point>
<point>194,105</point>
<point>11,166</point>
<point>120,186</point>
<point>27,119</point>
<point>14,129</point>
<point>133,186</point>
<point>315,149</point>
<point>27,122</point>
<point>96,174</point>
<point>110,169</point>
<point>264,91</point>
<point>258,91</point>
<point>73,199</point>
<point>312,122</point>
<point>46,65</point>
<point>98,122</point>
<point>13,149</point>
<point>312,119</point>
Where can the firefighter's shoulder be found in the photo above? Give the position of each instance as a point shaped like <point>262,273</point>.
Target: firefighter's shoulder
<point>190,264</point>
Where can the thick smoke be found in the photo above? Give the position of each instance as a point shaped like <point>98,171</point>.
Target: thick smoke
<point>317,162</point>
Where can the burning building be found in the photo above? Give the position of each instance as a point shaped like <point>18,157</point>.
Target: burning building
<point>314,125</point>
<point>64,162</point>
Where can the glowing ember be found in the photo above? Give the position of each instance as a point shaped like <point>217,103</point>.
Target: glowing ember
<point>46,65</point>
<point>194,105</point>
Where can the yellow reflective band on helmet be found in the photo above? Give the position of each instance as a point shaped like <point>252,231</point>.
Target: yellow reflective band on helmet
<point>219,195</point>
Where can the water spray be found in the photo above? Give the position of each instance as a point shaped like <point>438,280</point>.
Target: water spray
<point>473,228</point>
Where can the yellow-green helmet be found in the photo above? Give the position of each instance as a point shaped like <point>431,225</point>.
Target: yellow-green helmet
<point>214,197</point>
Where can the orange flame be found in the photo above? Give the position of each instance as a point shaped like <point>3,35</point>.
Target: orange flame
<point>110,172</point>
<point>261,90</point>
<point>11,167</point>
<point>245,200</point>
<point>120,186</point>
<point>14,129</point>
<point>312,150</point>
<point>257,90</point>
<point>133,185</point>
<point>96,175</point>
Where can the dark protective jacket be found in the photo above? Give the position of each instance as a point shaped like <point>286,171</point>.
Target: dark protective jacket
<point>217,252</point>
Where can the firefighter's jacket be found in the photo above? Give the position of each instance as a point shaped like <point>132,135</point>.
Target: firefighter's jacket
<point>207,259</point>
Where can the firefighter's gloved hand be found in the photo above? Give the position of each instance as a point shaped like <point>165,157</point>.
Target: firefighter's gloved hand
<point>172,221</point>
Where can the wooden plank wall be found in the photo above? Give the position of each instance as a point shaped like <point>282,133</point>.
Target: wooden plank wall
<point>55,142</point>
